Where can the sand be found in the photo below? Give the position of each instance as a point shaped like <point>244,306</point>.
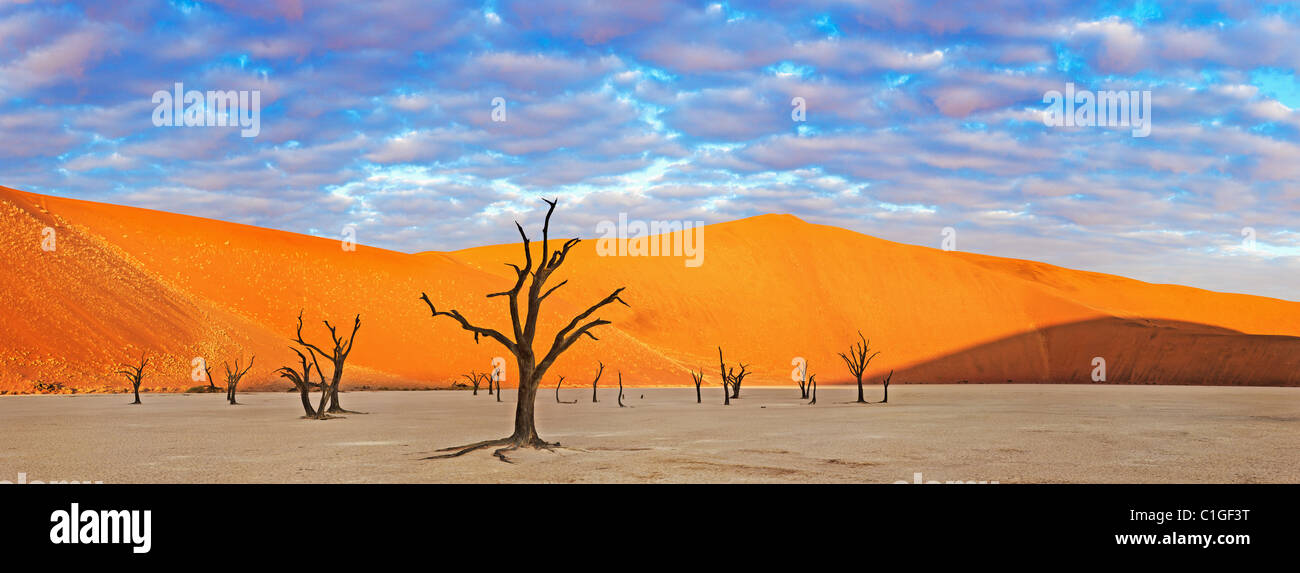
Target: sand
<point>123,281</point>
<point>1003,433</point>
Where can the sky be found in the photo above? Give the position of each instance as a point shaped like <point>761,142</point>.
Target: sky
<point>915,116</point>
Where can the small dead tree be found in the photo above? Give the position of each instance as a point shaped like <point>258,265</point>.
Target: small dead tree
<point>495,376</point>
<point>886,383</point>
<point>476,379</point>
<point>593,382</point>
<point>207,371</point>
<point>302,381</point>
<point>731,379</point>
<point>524,319</point>
<point>135,374</point>
<point>234,376</point>
<point>620,389</point>
<point>857,358</point>
<point>812,383</point>
<point>337,356</point>
<point>557,394</point>
<point>698,377</point>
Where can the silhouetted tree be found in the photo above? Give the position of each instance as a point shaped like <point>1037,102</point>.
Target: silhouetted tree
<point>337,356</point>
<point>698,377</point>
<point>495,376</point>
<point>731,380</point>
<point>476,379</point>
<point>857,358</point>
<point>557,393</point>
<point>886,383</point>
<point>524,322</point>
<point>620,389</point>
<point>302,381</point>
<point>135,374</point>
<point>234,376</point>
<point>207,371</point>
<point>812,383</point>
<point>593,382</point>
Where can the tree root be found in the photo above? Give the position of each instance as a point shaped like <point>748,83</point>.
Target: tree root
<point>510,444</point>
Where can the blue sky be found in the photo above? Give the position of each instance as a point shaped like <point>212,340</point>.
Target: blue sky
<point>920,116</point>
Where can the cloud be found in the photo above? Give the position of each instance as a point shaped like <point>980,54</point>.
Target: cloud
<point>919,115</point>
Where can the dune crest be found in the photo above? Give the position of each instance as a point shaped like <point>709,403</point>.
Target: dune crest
<point>123,280</point>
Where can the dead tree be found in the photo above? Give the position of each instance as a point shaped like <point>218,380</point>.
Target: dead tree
<point>135,374</point>
<point>524,322</point>
<point>557,393</point>
<point>731,380</point>
<point>857,359</point>
<point>698,377</point>
<point>886,383</point>
<point>302,381</point>
<point>476,379</point>
<point>620,389</point>
<point>593,382</point>
<point>337,356</point>
<point>234,376</point>
<point>812,383</point>
<point>497,377</point>
<point>207,371</point>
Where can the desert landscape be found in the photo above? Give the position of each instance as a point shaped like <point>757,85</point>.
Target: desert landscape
<point>992,362</point>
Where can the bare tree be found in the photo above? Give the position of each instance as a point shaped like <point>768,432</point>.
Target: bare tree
<point>857,359</point>
<point>593,382</point>
<point>524,323</point>
<point>207,371</point>
<point>698,377</point>
<point>135,374</point>
<point>886,383</point>
<point>234,376</point>
<point>337,356</point>
<point>620,389</point>
<point>731,380</point>
<point>812,383</point>
<point>557,393</point>
<point>476,379</point>
<point>302,381</point>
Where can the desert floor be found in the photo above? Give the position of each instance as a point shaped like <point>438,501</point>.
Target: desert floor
<point>1003,433</point>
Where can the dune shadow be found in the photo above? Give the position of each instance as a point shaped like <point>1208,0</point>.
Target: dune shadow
<point>1135,351</point>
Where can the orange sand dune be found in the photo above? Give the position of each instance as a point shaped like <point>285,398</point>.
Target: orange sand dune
<point>122,281</point>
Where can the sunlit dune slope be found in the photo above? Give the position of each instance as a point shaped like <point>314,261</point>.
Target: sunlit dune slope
<point>122,281</point>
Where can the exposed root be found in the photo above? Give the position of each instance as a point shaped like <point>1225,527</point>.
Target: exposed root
<point>510,444</point>
<point>344,411</point>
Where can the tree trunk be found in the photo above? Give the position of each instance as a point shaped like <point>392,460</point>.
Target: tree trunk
<point>525,425</point>
<point>136,388</point>
<point>861,399</point>
<point>305,391</point>
<point>698,399</point>
<point>335,408</point>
